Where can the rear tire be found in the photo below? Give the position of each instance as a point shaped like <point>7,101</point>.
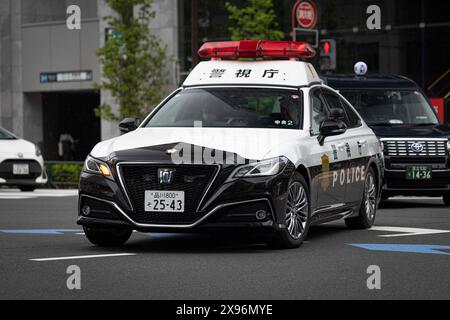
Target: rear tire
<point>368,210</point>
<point>107,237</point>
<point>27,189</point>
<point>297,215</point>
<point>446,199</point>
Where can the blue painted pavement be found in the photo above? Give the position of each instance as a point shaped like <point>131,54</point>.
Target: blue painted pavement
<point>410,248</point>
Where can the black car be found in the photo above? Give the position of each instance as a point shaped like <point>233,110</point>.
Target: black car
<point>416,146</point>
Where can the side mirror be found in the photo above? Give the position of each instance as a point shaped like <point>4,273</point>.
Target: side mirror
<point>129,124</point>
<point>331,127</point>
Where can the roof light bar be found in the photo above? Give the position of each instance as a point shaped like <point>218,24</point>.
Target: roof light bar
<point>256,49</point>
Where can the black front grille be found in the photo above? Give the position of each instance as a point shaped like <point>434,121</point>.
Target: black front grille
<point>425,148</point>
<point>192,179</point>
<point>6,169</point>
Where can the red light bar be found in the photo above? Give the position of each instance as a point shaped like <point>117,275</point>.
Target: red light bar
<point>256,49</point>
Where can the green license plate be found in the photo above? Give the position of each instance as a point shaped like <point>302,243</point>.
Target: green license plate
<point>419,173</point>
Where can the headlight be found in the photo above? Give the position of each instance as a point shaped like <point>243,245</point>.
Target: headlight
<point>93,165</point>
<point>263,168</point>
<point>37,151</point>
<point>448,145</point>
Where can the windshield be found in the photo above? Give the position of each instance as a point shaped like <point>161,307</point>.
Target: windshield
<point>387,107</point>
<point>231,107</point>
<point>5,135</point>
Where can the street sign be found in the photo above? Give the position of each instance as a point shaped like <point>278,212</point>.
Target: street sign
<point>306,14</point>
<point>48,77</point>
<point>310,36</point>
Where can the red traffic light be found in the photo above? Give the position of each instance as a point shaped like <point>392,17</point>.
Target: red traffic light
<point>326,47</point>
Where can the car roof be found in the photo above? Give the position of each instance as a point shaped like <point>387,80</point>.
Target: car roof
<point>341,82</point>
<point>284,73</point>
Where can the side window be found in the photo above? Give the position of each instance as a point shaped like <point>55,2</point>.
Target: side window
<point>352,116</point>
<point>335,102</point>
<point>319,111</point>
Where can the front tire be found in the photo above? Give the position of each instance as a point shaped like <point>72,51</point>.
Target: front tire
<point>107,237</point>
<point>446,199</point>
<point>368,210</point>
<point>297,215</point>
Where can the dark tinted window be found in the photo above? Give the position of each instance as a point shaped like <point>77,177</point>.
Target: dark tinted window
<point>352,116</point>
<point>319,111</point>
<point>392,107</point>
<point>6,135</point>
<point>231,107</point>
<point>335,102</point>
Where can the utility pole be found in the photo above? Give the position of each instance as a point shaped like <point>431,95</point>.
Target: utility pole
<point>194,32</point>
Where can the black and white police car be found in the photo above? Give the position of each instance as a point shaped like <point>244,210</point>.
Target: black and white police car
<point>244,145</point>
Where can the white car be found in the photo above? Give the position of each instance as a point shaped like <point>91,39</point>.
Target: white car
<point>21,163</point>
<point>244,145</point>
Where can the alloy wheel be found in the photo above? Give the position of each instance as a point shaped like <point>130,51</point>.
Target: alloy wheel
<point>297,210</point>
<point>370,197</point>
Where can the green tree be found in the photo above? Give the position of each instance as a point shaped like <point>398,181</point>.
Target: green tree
<point>256,21</point>
<point>133,61</point>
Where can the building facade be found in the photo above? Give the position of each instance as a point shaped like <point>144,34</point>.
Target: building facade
<point>48,72</point>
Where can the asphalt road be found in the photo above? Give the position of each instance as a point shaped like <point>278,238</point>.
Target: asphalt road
<point>332,264</point>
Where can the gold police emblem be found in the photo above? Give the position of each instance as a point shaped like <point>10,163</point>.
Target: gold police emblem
<point>325,176</point>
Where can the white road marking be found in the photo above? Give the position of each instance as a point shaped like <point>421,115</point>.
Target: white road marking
<point>416,198</point>
<point>406,231</point>
<point>85,257</point>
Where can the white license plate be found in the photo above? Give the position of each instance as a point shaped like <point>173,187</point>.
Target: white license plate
<point>164,201</point>
<point>21,169</point>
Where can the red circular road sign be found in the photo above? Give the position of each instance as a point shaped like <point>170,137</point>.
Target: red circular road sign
<point>307,14</point>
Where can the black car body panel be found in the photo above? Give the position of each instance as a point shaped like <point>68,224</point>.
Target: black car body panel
<point>219,205</point>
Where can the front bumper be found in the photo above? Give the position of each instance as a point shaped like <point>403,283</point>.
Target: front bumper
<point>36,177</point>
<point>225,206</point>
<point>395,183</point>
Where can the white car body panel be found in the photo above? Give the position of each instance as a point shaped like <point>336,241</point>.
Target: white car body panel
<point>290,73</point>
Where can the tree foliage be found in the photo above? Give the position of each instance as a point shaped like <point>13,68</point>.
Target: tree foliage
<point>133,61</point>
<point>256,21</point>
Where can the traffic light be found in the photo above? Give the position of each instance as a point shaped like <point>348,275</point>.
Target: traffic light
<point>328,54</point>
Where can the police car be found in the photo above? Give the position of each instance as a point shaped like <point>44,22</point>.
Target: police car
<point>416,145</point>
<point>244,145</point>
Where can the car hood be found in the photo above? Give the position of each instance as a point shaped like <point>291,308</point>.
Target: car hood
<point>433,131</point>
<point>12,148</point>
<point>254,144</point>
